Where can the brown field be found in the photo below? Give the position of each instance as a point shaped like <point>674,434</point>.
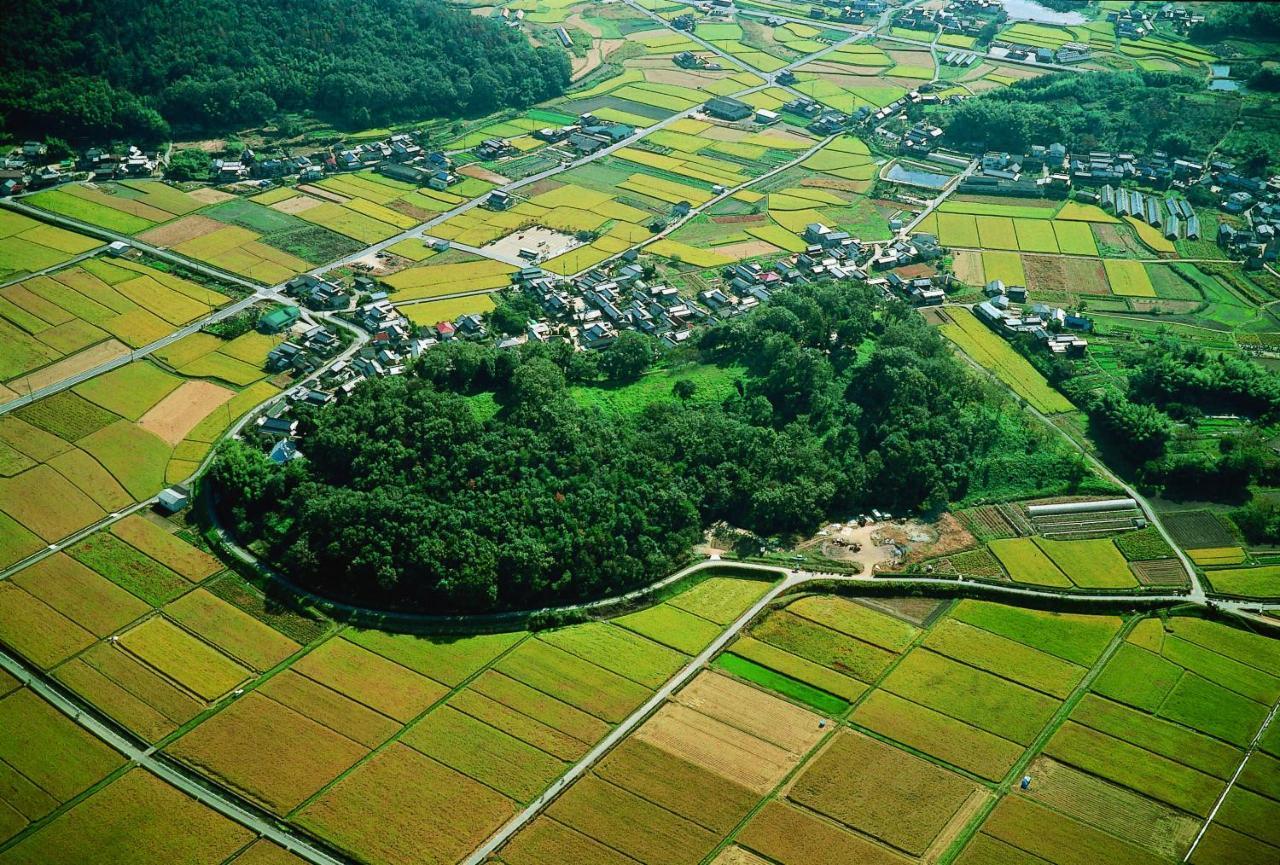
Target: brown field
<point>69,366</point>
<point>156,538</point>
<point>967,264</point>
<point>174,653</point>
<point>297,204</point>
<point>330,708</point>
<point>267,752</point>
<point>209,195</point>
<point>36,630</point>
<point>881,790</point>
<point>179,412</point>
<point>691,791</point>
<point>137,820</point>
<point>736,855</point>
<point>546,842</point>
<point>321,192</point>
<point>1112,809</point>
<point>90,600</point>
<point>752,711</point>
<point>428,814</point>
<point>746,249</point>
<point>789,836</point>
<point>383,685</point>
<point>479,172</point>
<point>729,752</point>
<point>180,231</point>
<point>232,630</point>
<point>1069,275</point>
<point>632,825</point>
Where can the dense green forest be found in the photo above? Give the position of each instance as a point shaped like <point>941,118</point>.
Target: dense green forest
<point>95,69</point>
<point>1136,111</point>
<point>407,499</point>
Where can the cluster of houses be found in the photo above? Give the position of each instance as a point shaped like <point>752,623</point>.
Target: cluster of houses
<point>849,11</point>
<point>1053,327</point>
<point>26,167</point>
<point>960,17</point>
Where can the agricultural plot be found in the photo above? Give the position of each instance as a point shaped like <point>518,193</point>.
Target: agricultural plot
<point>27,245</point>
<point>136,820</point>
<point>1128,278</point>
<point>67,321</point>
<point>127,207</point>
<point>432,280</point>
<point>1258,582</point>
<point>996,355</point>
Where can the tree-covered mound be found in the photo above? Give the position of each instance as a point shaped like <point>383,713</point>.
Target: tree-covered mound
<point>101,68</point>
<point>406,498</point>
<point>1137,111</point>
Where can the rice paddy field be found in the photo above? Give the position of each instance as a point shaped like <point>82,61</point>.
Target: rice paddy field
<point>56,325</point>
<point>920,763</point>
<point>996,355</point>
<point>72,458</point>
<point>27,245</point>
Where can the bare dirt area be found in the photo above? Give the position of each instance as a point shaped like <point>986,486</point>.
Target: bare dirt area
<point>1069,275</point>
<point>178,413</point>
<point>967,265</point>
<point>297,204</point>
<point>547,242</point>
<point>752,711</point>
<point>583,66</point>
<point>479,172</point>
<point>320,192</point>
<point>69,366</point>
<point>738,856</point>
<point>209,195</point>
<point>187,228</point>
<point>746,249</point>
<point>378,263</point>
<point>934,315</point>
<point>917,611</point>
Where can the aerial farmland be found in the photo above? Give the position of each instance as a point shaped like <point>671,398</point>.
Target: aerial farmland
<point>640,432</point>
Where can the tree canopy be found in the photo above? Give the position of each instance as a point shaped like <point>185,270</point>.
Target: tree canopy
<point>407,499</point>
<point>102,68</point>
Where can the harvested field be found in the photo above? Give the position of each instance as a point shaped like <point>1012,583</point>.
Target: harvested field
<point>918,727</point>
<point>80,594</point>
<point>484,753</point>
<point>569,678</point>
<point>691,791</point>
<point>752,711</point>
<point>178,413</point>
<point>696,738</point>
<point>233,631</point>
<point>203,670</point>
<point>630,824</point>
<point>326,706</point>
<point>881,790</point>
<point>790,836</point>
<point>137,820</point>
<point>1073,276</point>
<point>180,231</point>
<point>966,694</point>
<point>417,800</point>
<point>382,685</point>
<point>267,752</point>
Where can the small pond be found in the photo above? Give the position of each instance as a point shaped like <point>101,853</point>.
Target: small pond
<point>1029,10</point>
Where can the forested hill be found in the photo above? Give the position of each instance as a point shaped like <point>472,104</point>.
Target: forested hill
<point>100,68</point>
<point>1139,111</point>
